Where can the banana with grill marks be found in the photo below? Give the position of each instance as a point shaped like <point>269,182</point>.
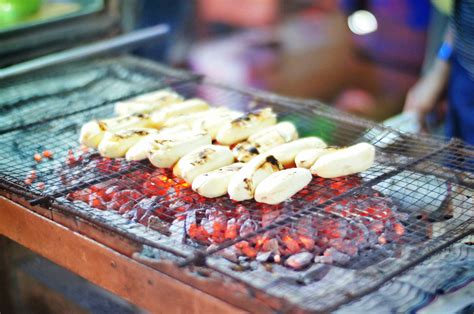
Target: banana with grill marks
<point>241,128</point>
<point>160,117</point>
<point>264,140</point>
<point>139,150</point>
<point>93,131</point>
<point>167,150</point>
<point>215,183</point>
<point>116,144</point>
<point>212,124</point>
<point>147,103</point>
<point>345,161</point>
<point>203,159</point>
<point>157,95</point>
<point>286,153</point>
<point>282,185</point>
<point>242,185</point>
<point>307,157</point>
<point>244,151</point>
<point>195,117</point>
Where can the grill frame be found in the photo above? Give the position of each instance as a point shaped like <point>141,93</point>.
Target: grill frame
<point>437,155</point>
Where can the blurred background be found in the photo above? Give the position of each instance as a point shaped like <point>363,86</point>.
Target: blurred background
<point>358,55</point>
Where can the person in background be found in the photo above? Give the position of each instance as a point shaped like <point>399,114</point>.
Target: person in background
<point>178,15</point>
<point>453,69</point>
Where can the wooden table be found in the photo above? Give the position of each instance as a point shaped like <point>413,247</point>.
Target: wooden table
<point>116,272</point>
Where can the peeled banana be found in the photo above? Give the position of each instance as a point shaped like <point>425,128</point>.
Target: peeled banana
<point>282,185</point>
<point>139,150</point>
<point>264,140</point>
<point>167,150</point>
<point>93,131</point>
<point>286,153</point>
<point>193,118</point>
<point>242,185</point>
<point>147,103</point>
<point>160,117</point>
<point>241,128</point>
<point>203,159</point>
<point>345,161</point>
<point>244,151</point>
<point>306,158</point>
<point>116,144</point>
<point>212,124</point>
<point>158,95</point>
<point>215,183</point>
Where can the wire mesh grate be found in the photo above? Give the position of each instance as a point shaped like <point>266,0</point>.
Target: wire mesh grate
<point>329,243</point>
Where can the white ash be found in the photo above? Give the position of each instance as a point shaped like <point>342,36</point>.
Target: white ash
<point>190,219</point>
<point>300,260</point>
<point>177,230</point>
<point>264,256</point>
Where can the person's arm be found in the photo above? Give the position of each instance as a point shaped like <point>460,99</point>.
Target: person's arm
<point>424,95</point>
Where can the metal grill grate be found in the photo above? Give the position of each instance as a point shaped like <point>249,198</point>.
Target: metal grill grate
<point>416,200</point>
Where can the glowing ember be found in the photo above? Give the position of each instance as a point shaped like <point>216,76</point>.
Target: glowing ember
<point>336,234</point>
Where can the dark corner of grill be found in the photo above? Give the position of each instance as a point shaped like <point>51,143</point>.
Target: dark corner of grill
<point>43,201</point>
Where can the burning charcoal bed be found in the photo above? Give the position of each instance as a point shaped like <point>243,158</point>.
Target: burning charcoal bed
<point>160,201</point>
<point>333,242</point>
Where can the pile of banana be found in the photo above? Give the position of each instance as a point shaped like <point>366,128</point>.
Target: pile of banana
<point>220,151</point>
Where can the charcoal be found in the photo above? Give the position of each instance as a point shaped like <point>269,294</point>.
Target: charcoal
<point>247,227</point>
<point>144,208</point>
<point>271,245</point>
<point>323,259</point>
<point>300,260</point>
<point>269,217</point>
<point>230,254</point>
<point>337,256</point>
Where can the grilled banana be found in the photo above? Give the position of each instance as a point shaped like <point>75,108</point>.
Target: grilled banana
<point>139,150</point>
<point>282,185</point>
<point>212,124</point>
<point>244,151</point>
<point>203,159</point>
<point>193,118</point>
<point>264,140</point>
<point>267,138</point>
<point>147,103</point>
<point>158,95</point>
<point>286,153</point>
<point>215,183</point>
<point>242,185</point>
<point>93,131</point>
<point>160,117</point>
<point>116,144</point>
<point>345,161</point>
<point>167,150</point>
<point>241,128</point>
<point>306,158</point>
